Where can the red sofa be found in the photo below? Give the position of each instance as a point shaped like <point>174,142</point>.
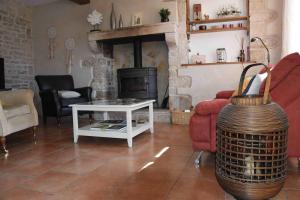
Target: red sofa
<point>284,90</point>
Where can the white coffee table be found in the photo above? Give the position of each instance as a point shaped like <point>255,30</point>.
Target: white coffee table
<point>105,106</point>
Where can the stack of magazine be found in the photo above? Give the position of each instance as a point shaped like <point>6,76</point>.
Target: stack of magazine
<point>109,125</point>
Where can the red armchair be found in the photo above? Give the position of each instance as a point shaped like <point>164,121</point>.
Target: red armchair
<point>284,90</point>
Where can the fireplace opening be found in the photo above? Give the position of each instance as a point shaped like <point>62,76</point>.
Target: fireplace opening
<point>138,83</point>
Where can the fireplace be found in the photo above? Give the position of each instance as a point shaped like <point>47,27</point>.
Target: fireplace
<point>138,83</point>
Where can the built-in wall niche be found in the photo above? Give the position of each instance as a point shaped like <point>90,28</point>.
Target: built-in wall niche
<point>216,36</point>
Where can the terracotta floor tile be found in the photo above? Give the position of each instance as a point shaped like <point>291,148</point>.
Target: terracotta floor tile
<point>50,182</point>
<point>8,181</point>
<point>293,194</point>
<point>160,166</point>
<point>21,194</point>
<point>31,169</point>
<point>193,189</point>
<point>79,165</point>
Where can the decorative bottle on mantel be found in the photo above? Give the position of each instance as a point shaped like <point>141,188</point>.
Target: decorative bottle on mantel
<point>121,22</point>
<point>113,19</point>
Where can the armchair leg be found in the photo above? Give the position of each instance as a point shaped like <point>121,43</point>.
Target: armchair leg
<point>34,134</point>
<point>198,159</point>
<point>299,163</point>
<point>3,143</point>
<point>91,118</point>
<point>58,119</point>
<point>45,119</point>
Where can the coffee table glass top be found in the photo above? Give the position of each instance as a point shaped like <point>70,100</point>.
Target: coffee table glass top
<point>121,102</point>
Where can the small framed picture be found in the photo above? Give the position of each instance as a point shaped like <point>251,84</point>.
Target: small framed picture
<point>136,19</point>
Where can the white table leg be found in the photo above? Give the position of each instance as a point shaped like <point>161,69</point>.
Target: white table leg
<point>75,124</point>
<point>105,115</point>
<point>129,127</point>
<point>151,118</point>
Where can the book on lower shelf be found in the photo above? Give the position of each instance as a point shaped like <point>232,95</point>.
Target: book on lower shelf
<point>109,125</point>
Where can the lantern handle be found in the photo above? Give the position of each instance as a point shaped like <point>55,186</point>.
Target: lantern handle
<point>268,81</point>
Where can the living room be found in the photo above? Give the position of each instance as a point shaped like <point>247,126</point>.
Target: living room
<point>161,99</point>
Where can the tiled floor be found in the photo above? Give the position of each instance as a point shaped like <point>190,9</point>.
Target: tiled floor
<point>106,169</point>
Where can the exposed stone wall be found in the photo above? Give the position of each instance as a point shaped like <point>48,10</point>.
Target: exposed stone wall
<point>16,44</point>
<point>266,22</point>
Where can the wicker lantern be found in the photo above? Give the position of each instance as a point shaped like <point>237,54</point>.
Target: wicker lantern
<point>252,145</point>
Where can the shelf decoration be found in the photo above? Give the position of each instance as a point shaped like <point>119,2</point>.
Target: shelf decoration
<point>228,11</point>
<point>95,19</point>
<point>197,15</point>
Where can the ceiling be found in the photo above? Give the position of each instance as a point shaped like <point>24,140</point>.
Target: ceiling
<point>36,2</point>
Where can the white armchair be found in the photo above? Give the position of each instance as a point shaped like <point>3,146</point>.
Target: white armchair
<point>17,112</point>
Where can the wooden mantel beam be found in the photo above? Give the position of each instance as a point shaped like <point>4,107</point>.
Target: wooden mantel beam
<point>81,2</point>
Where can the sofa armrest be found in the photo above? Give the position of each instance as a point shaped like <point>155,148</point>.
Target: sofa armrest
<point>85,92</point>
<point>224,94</point>
<point>211,107</point>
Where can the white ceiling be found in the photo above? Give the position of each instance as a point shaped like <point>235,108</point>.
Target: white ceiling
<point>36,2</point>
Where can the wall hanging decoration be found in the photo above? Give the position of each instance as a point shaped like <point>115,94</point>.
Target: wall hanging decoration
<point>70,46</point>
<point>95,19</point>
<point>113,19</point>
<point>51,43</point>
<point>228,11</point>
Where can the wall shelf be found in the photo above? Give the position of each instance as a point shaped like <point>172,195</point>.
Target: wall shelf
<point>219,30</point>
<point>218,20</point>
<point>216,63</point>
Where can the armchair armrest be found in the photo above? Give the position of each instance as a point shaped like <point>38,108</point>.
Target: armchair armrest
<point>224,94</point>
<point>85,92</point>
<point>19,97</point>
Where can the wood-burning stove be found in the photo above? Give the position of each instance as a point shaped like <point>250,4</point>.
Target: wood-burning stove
<point>138,83</point>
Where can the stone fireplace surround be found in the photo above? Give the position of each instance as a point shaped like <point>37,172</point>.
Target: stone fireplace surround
<point>171,34</point>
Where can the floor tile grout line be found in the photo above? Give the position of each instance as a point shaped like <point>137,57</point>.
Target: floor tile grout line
<point>178,178</point>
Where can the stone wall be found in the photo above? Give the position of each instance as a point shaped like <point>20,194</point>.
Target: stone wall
<point>266,22</point>
<point>16,44</point>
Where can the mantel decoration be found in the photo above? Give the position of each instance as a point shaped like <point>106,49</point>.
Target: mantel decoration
<point>164,15</point>
<point>95,19</point>
<point>70,46</point>
<point>228,11</point>
<point>51,43</point>
<point>113,18</point>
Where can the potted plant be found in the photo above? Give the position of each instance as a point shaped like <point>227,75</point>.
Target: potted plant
<point>164,14</point>
<point>95,19</point>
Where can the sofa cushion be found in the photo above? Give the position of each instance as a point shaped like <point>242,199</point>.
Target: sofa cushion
<point>14,111</point>
<point>69,101</point>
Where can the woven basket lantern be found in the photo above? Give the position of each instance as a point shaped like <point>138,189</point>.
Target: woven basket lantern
<point>252,145</point>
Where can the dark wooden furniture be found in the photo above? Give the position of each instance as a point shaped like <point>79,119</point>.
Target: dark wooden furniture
<point>252,136</point>
<point>52,104</point>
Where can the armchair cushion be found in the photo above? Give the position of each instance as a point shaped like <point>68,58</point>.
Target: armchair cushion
<point>16,110</point>
<point>65,102</point>
<point>66,94</point>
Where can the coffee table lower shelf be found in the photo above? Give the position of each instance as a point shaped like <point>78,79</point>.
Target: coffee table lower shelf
<point>120,134</point>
